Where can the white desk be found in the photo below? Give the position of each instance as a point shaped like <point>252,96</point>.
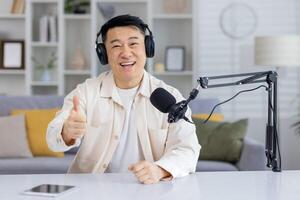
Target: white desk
<point>204,185</point>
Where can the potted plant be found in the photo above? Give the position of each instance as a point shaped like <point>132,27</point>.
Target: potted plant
<point>76,6</point>
<point>47,67</point>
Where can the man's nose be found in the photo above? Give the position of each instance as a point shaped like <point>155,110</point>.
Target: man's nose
<point>126,52</point>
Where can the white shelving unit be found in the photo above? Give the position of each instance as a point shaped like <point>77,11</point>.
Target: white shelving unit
<point>172,16</point>
<point>174,28</point>
<point>77,17</point>
<point>76,35</point>
<point>44,44</point>
<point>12,16</point>
<point>79,31</point>
<point>44,84</point>
<point>41,51</point>
<point>12,72</point>
<point>12,27</point>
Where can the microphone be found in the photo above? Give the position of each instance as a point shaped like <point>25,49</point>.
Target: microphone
<point>166,103</point>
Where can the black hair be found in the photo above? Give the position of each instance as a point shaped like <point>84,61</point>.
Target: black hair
<point>123,20</point>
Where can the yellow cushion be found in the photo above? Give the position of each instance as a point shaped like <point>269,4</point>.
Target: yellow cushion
<point>36,126</point>
<point>214,117</point>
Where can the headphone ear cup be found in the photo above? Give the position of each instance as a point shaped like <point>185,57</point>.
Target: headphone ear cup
<point>101,52</point>
<point>149,46</point>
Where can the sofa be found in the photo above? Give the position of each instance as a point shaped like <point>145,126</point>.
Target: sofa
<point>252,155</point>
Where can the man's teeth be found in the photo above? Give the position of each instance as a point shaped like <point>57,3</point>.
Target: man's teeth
<point>127,64</point>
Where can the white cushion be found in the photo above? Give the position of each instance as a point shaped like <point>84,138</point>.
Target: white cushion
<point>13,137</point>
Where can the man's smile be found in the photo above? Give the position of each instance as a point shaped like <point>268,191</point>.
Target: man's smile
<point>127,64</point>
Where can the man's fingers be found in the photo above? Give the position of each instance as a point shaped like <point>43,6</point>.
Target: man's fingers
<point>144,178</point>
<point>149,181</point>
<point>74,132</point>
<point>76,135</point>
<point>75,103</point>
<point>141,173</point>
<point>77,116</point>
<point>77,131</point>
<point>75,125</point>
<point>146,172</point>
<point>78,125</point>
<point>137,167</point>
<point>130,167</point>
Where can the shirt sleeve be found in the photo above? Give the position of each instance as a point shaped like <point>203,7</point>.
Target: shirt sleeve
<point>182,147</point>
<point>53,137</point>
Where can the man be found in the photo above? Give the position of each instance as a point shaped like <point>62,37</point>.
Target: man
<point>112,119</point>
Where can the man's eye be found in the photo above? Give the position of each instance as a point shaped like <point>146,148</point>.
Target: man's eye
<point>134,44</point>
<point>116,46</point>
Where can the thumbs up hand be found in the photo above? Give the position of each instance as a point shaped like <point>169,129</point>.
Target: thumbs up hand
<point>75,125</point>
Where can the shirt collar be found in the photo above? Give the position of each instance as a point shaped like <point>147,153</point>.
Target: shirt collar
<point>144,89</point>
<point>108,87</point>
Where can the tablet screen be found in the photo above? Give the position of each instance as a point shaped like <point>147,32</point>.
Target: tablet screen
<point>48,189</point>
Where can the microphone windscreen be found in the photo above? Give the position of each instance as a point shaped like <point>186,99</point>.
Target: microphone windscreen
<point>162,100</point>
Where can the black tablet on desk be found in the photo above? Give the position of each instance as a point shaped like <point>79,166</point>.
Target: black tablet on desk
<point>48,190</point>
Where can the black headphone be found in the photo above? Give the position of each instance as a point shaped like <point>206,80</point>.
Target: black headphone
<point>149,41</point>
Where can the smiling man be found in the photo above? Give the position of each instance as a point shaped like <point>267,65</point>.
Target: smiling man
<point>112,119</point>
<point>126,55</point>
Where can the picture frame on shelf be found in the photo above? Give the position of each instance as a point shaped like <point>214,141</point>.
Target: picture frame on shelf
<point>175,58</point>
<point>12,54</point>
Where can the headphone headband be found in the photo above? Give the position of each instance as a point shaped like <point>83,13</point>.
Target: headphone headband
<point>142,25</point>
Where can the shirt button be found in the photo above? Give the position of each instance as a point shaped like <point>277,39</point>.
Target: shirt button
<point>116,137</point>
<point>104,166</point>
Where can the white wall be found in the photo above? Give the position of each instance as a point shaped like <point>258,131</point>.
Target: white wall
<point>218,55</point>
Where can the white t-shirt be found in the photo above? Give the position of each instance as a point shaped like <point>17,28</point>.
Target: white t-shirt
<point>129,149</point>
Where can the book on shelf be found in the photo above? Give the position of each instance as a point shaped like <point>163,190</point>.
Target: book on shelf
<point>43,28</point>
<point>48,28</point>
<point>52,28</point>
<point>17,7</point>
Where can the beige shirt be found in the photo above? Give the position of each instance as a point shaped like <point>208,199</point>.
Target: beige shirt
<point>173,147</point>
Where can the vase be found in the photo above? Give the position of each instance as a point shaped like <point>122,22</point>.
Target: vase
<point>46,76</point>
<point>175,6</point>
<point>78,59</point>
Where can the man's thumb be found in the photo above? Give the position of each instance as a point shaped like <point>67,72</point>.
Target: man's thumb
<point>75,103</point>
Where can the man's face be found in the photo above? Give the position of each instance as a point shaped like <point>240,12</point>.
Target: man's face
<point>126,55</point>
